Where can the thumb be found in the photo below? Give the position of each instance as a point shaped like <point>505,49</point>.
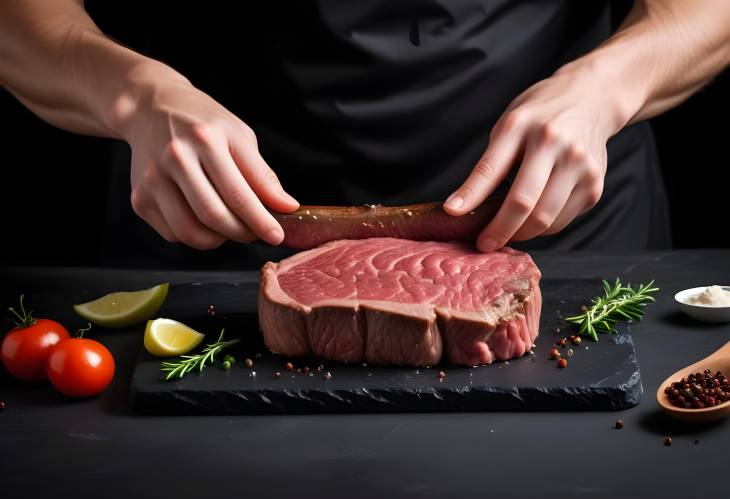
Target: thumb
<point>490,170</point>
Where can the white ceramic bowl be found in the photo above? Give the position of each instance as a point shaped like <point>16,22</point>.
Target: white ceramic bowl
<point>702,312</point>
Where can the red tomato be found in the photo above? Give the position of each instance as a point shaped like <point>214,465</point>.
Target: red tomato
<point>79,367</point>
<point>25,349</point>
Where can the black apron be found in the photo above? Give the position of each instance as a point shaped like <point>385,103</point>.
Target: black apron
<point>376,101</point>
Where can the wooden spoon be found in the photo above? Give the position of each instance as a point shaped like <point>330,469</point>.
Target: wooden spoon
<point>718,361</point>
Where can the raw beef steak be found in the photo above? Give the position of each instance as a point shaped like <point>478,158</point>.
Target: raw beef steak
<point>397,301</point>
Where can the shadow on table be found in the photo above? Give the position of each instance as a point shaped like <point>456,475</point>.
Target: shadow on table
<point>659,423</point>
<point>677,318</point>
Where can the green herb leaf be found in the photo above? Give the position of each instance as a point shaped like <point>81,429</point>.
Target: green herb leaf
<point>187,363</point>
<point>618,303</point>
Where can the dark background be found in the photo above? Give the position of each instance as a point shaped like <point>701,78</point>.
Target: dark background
<point>54,183</point>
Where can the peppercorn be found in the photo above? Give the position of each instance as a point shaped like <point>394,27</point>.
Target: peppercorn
<point>2,405</point>
<point>562,342</point>
<point>226,365</point>
<point>619,424</point>
<point>277,375</point>
<point>576,340</point>
<point>563,363</point>
<point>667,441</point>
<point>328,375</point>
<point>441,375</point>
<point>554,353</point>
<point>289,366</point>
<point>699,390</point>
<point>305,369</point>
<point>248,363</point>
<point>583,308</point>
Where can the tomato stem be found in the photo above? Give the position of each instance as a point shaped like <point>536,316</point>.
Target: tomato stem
<point>24,320</point>
<point>80,332</point>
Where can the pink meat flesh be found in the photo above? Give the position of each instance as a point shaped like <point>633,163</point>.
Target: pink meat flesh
<point>395,301</point>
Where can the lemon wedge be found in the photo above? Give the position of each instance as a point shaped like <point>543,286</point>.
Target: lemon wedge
<point>125,308</point>
<point>167,338</point>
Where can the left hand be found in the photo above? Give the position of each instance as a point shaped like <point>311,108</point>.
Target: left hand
<point>558,128</point>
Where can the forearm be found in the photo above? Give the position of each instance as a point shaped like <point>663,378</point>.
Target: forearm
<point>664,51</point>
<point>58,63</point>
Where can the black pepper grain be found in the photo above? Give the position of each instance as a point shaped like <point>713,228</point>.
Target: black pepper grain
<point>667,441</point>
<point>619,424</point>
<point>563,363</point>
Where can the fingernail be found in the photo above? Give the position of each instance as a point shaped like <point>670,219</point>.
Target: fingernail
<point>487,245</point>
<point>288,198</point>
<point>274,236</point>
<point>454,202</point>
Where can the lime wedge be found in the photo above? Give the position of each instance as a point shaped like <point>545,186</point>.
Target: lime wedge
<point>167,338</point>
<point>125,308</point>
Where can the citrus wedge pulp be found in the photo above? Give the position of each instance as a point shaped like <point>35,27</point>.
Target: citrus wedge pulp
<point>168,338</point>
<point>124,308</point>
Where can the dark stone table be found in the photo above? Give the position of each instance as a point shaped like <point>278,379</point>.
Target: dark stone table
<point>53,447</point>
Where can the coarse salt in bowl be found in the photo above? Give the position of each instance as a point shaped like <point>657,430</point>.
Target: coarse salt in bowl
<point>702,312</point>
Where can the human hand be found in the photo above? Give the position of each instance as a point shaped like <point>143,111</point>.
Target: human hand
<point>558,128</point>
<point>197,175</point>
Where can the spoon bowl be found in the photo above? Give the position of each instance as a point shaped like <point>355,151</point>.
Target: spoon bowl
<point>718,361</point>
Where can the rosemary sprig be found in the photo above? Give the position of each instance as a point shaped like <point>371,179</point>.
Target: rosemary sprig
<point>188,363</point>
<point>618,303</point>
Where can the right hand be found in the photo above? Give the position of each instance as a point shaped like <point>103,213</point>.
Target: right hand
<point>197,175</point>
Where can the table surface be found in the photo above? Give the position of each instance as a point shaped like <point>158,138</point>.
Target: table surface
<point>100,446</point>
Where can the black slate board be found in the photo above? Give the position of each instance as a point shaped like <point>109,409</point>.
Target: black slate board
<point>600,376</point>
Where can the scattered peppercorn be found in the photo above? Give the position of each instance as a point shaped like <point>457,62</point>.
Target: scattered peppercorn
<point>328,375</point>
<point>554,353</point>
<point>277,375</point>
<point>583,308</point>
<point>699,390</point>
<point>229,358</point>
<point>211,310</point>
<point>248,363</point>
<point>619,424</point>
<point>576,340</point>
<point>226,365</point>
<point>305,369</point>
<point>667,441</point>
<point>557,329</point>
<point>563,363</point>
<point>2,406</point>
<point>289,366</point>
<point>441,375</point>
<point>562,343</point>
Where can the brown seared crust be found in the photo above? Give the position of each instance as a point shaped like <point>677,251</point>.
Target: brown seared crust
<point>311,226</point>
<point>277,316</point>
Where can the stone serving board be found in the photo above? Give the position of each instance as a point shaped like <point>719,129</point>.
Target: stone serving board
<point>600,376</point>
